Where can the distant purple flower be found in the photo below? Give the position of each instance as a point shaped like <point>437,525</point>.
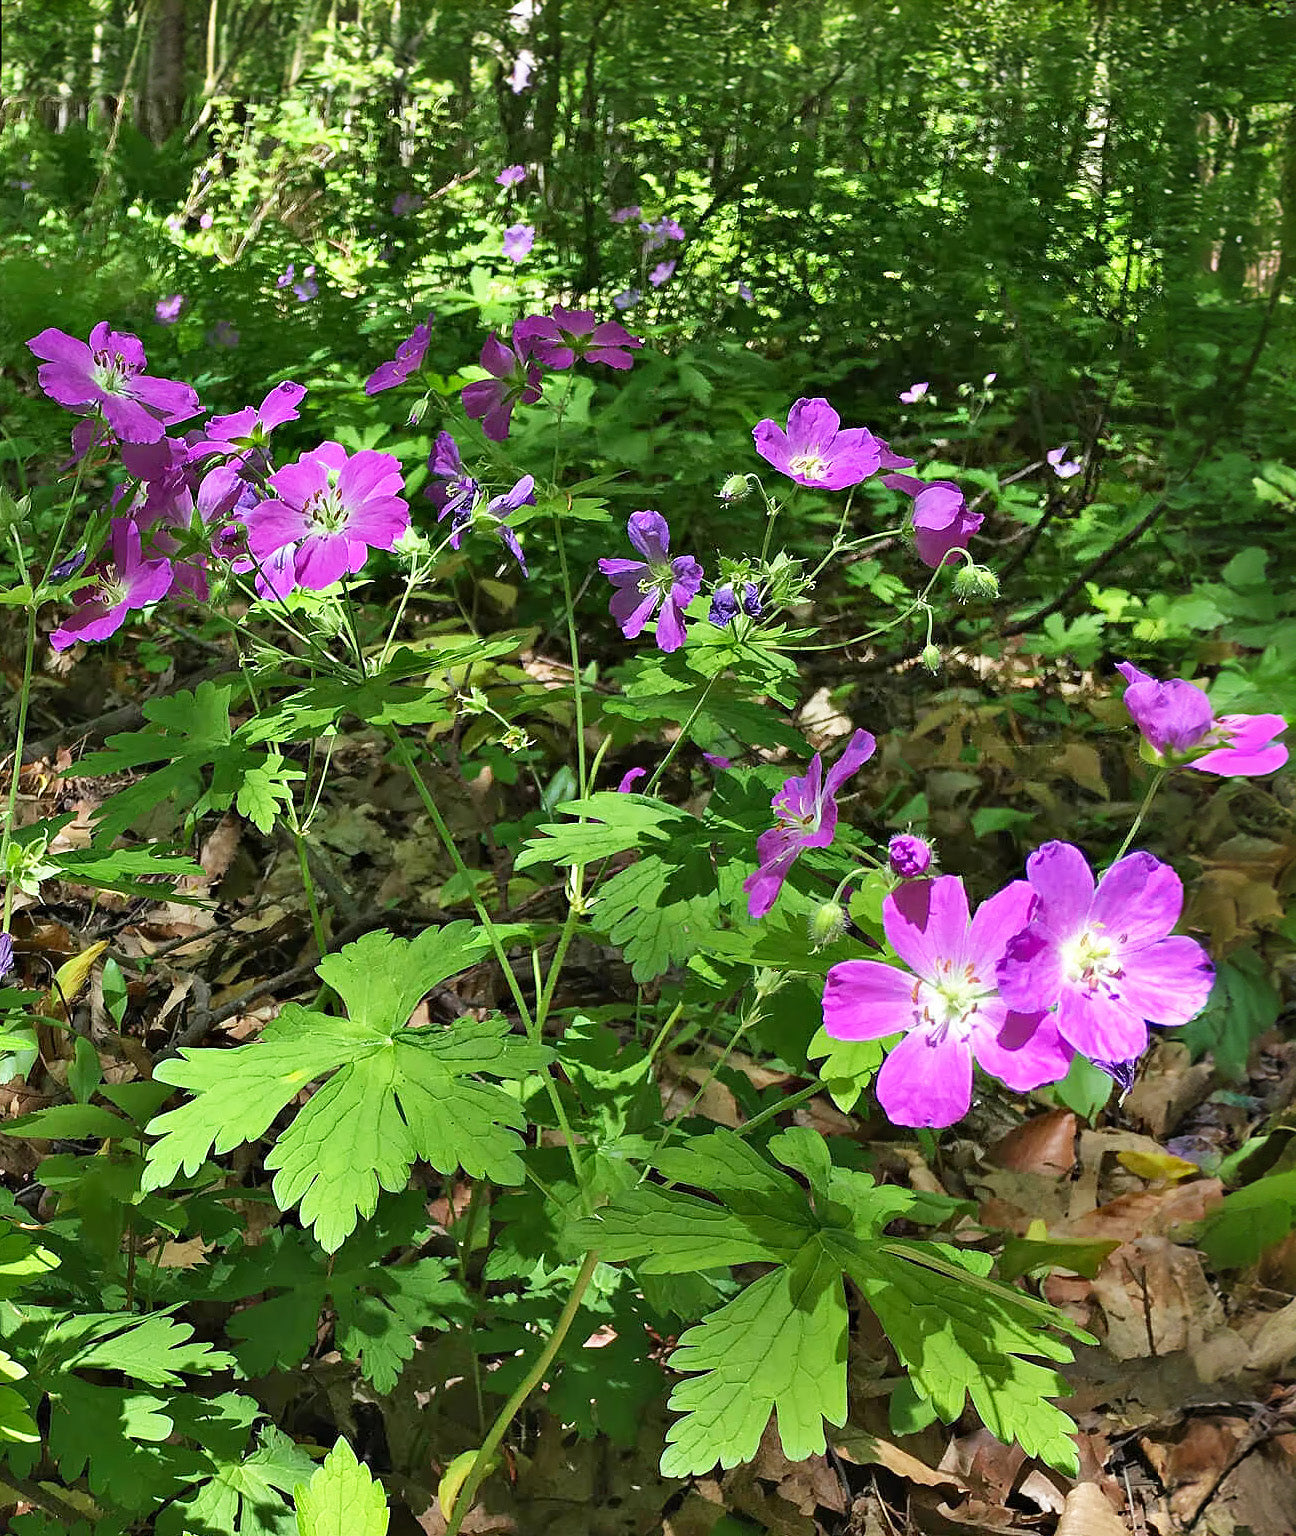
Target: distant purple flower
<point>745,293</point>
<point>406,202</point>
<point>498,508</point>
<point>1104,958</point>
<point>557,339</point>
<point>511,175</point>
<point>658,234</point>
<point>519,77</point>
<point>167,311</point>
<point>727,604</point>
<point>222,334</point>
<point>910,857</point>
<point>108,375</point>
<point>655,581</point>
<point>1063,467</point>
<point>629,779</point>
<point>308,288</point>
<point>661,273</point>
<point>125,582</point>
<point>286,276</point>
<point>914,393</point>
<point>716,761</point>
<point>1178,723</point>
<point>941,519</point>
<point>624,215</point>
<point>333,507</point>
<point>517,378</point>
<point>409,359</point>
<point>6,955</point>
<point>206,221</point>
<point>805,809</point>
<point>518,240</point>
<point>626,299</point>
<point>457,489</point>
<point>945,1004</point>
<point>814,451</point>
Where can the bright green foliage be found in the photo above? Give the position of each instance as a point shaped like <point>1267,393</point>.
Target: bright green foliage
<point>848,1066</point>
<point>341,1499</point>
<point>395,1093</point>
<point>1249,1220</point>
<point>780,1344</point>
<point>1243,1005</point>
<point>243,1495</point>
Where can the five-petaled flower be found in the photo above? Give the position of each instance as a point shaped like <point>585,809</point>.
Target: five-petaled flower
<point>661,273</point>
<point>1179,725</point>
<point>491,401</point>
<point>518,240</point>
<point>563,335</point>
<point>125,582</point>
<point>464,511</point>
<point>332,508</point>
<point>941,519</point>
<point>656,581</point>
<point>456,489</point>
<point>1104,957</point>
<point>511,175</point>
<point>251,427</point>
<point>409,359</point>
<point>107,375</point>
<point>816,452</point>
<point>946,1004</point>
<point>914,393</point>
<point>624,215</point>
<point>1063,467</point>
<point>167,311</point>
<point>805,809</point>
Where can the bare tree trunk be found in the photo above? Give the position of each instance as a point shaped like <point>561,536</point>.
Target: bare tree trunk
<point>163,97</point>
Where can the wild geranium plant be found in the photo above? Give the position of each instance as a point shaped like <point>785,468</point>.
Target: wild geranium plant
<point>595,1208</point>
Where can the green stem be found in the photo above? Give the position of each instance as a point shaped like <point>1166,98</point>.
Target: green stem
<point>578,690</point>
<point>680,739</point>
<point>532,1379</point>
<point>308,885</point>
<point>799,1097</point>
<point>1158,778</point>
<point>20,741</point>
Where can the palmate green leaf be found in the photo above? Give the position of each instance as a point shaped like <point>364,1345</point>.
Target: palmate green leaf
<point>245,1496</point>
<point>614,823</point>
<point>341,1499</point>
<point>113,1436</point>
<point>396,1094</point>
<point>154,1349</point>
<point>1251,1218</point>
<point>781,1346</point>
<point>662,909</point>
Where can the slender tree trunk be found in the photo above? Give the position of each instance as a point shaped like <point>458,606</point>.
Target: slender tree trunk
<point>163,96</point>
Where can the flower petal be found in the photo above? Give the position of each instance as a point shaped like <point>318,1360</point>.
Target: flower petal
<point>1138,900</point>
<point>1064,883</point>
<point>1100,1027</point>
<point>926,922</point>
<point>866,1000</point>
<point>926,1080</point>
<point>1026,1052</point>
<point>1168,982</point>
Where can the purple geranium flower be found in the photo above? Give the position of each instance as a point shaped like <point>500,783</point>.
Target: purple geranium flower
<point>1063,467</point>
<point>626,299</point>
<point>518,240</point>
<point>560,337</point>
<point>286,276</point>
<point>511,175</point>
<point>251,427</point>
<point>1104,958</point>
<point>658,234</point>
<point>946,1004</point>
<point>717,760</point>
<point>167,311</point>
<point>941,519</point>
<point>126,581</point>
<point>806,812</point>
<point>6,955</point>
<point>519,77</point>
<point>745,293</point>
<point>516,378</point>
<point>308,288</point>
<point>206,221</point>
<point>222,334</point>
<point>1178,723</point>
<point>68,567</point>
<point>495,512</point>
<point>661,273</point>
<point>910,857</point>
<point>333,508</point>
<point>446,466</point>
<point>726,604</point>
<point>814,451</point>
<point>409,359</point>
<point>108,375</point>
<point>655,581</point>
<point>914,393</point>
<point>624,215</point>
<point>629,779</point>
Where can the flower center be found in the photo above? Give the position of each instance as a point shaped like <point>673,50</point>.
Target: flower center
<point>111,372</point>
<point>326,511</point>
<point>959,989</point>
<point>812,465</point>
<point>660,578</point>
<point>112,591</point>
<point>1087,961</point>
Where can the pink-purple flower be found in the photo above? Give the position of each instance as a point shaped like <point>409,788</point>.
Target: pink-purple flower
<point>519,77</point>
<point>559,338</point>
<point>1104,957</point>
<point>624,215</point>
<point>727,602</point>
<point>661,273</point>
<point>518,240</point>
<point>658,234</point>
<point>805,810</point>
<point>627,298</point>
<point>511,175</point>
<point>946,1004</point>
<point>629,779</point>
<point>909,856</point>
<point>656,581</point>
<point>332,508</point>
<point>127,581</point>
<point>941,519</point>
<point>516,378</point>
<point>914,393</point>
<point>1063,467</point>
<point>107,376</point>
<point>167,311</point>
<point>455,489</point>
<point>1179,725</point>
<point>815,451</point>
<point>467,508</point>
<point>251,427</point>
<point>409,359</point>
<point>744,293</point>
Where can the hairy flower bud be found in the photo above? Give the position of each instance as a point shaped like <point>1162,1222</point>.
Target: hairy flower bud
<point>735,488</point>
<point>827,924</point>
<point>930,657</point>
<point>910,857</point>
<point>975,581</point>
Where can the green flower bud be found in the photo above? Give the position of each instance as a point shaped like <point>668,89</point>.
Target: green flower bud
<point>931,658</point>
<point>734,488</point>
<point>975,581</point>
<point>827,924</point>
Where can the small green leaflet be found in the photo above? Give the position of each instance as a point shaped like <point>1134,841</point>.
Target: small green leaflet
<point>780,1345</point>
<point>341,1499</point>
<point>244,1496</point>
<point>393,1094</point>
<point>1239,1230</point>
<point>612,823</point>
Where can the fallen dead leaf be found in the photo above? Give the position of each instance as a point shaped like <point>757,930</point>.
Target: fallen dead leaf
<point>1043,1144</point>
<point>1156,1299</point>
<point>1087,1513</point>
<point>1274,1343</point>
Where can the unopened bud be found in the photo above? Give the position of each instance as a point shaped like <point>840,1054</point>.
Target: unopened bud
<point>734,488</point>
<point>930,657</point>
<point>827,924</point>
<point>910,857</point>
<point>975,581</point>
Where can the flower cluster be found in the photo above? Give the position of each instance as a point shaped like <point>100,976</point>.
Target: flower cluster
<point>458,496</point>
<point>1179,725</point>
